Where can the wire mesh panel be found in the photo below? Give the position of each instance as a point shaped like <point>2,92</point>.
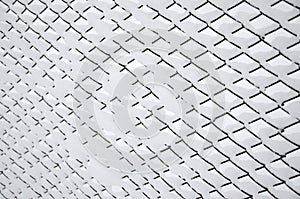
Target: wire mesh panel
<point>149,99</point>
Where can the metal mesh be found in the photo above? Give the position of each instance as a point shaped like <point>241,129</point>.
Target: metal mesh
<point>233,65</point>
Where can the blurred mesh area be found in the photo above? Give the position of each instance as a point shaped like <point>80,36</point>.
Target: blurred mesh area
<point>47,55</point>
